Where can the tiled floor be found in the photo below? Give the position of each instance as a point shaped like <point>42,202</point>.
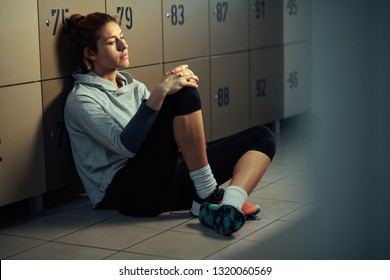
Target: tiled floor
<point>76,231</point>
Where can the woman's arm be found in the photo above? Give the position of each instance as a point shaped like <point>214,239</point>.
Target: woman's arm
<point>136,131</point>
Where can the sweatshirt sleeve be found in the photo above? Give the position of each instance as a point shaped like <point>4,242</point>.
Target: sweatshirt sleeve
<point>138,128</point>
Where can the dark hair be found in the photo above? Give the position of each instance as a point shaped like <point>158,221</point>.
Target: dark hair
<point>84,33</point>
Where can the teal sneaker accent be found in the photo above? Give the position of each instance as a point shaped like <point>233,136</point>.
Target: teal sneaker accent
<point>224,219</point>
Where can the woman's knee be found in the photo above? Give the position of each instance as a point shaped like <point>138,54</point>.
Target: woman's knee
<point>189,101</point>
<point>185,101</point>
<point>264,140</point>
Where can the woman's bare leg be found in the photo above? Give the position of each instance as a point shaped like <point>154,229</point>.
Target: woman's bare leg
<point>249,169</point>
<point>189,135</point>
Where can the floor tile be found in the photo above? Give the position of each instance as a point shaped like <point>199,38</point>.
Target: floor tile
<point>60,251</point>
<point>110,236</point>
<point>287,192</point>
<point>87,212</point>
<point>232,252</point>
<point>163,221</point>
<point>275,209</point>
<point>303,177</point>
<point>11,245</point>
<point>274,174</point>
<point>269,231</point>
<point>46,227</point>
<point>299,214</point>
<point>283,161</point>
<point>182,245</point>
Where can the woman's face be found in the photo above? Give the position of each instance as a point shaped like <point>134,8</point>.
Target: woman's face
<point>112,50</point>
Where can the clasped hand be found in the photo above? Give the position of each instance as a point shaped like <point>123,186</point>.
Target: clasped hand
<point>178,78</point>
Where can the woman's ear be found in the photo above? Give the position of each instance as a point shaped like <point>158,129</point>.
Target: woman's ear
<point>90,54</point>
<point>89,58</point>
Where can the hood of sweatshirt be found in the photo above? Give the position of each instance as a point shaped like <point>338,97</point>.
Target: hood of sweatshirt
<point>94,80</point>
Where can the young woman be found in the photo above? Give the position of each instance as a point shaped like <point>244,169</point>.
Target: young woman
<point>126,140</point>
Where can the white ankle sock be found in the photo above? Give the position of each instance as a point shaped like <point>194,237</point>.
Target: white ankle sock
<point>204,181</point>
<point>235,196</point>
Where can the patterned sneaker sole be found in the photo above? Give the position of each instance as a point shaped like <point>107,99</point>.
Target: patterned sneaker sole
<point>224,219</point>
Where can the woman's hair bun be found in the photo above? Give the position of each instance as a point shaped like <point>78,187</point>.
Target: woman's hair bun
<point>72,22</point>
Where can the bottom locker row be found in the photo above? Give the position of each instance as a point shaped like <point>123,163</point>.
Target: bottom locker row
<point>237,91</point>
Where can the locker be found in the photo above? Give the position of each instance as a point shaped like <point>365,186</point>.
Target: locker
<point>185,29</point>
<point>140,21</point>
<point>19,50</point>
<point>201,67</point>
<point>266,23</point>
<point>22,163</point>
<point>266,86</point>
<point>296,20</point>
<point>56,53</point>
<point>60,168</point>
<point>297,79</point>
<point>229,26</point>
<point>149,75</point>
<point>230,94</point>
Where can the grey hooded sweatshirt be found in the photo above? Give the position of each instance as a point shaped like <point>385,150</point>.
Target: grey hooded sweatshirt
<point>106,126</point>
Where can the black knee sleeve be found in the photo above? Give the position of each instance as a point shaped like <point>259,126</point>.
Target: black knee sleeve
<point>265,140</point>
<point>185,101</point>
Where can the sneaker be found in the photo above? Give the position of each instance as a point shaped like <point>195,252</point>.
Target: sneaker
<point>250,210</point>
<point>214,198</point>
<point>224,219</point>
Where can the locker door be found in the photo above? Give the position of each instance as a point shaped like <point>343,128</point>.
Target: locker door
<point>297,79</point>
<point>266,99</point>
<point>140,21</point>
<point>22,164</point>
<point>60,168</point>
<point>296,20</point>
<point>230,94</point>
<point>266,23</point>
<point>186,29</point>
<point>19,49</point>
<point>56,54</point>
<point>229,26</point>
<point>201,67</point>
<point>149,75</point>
